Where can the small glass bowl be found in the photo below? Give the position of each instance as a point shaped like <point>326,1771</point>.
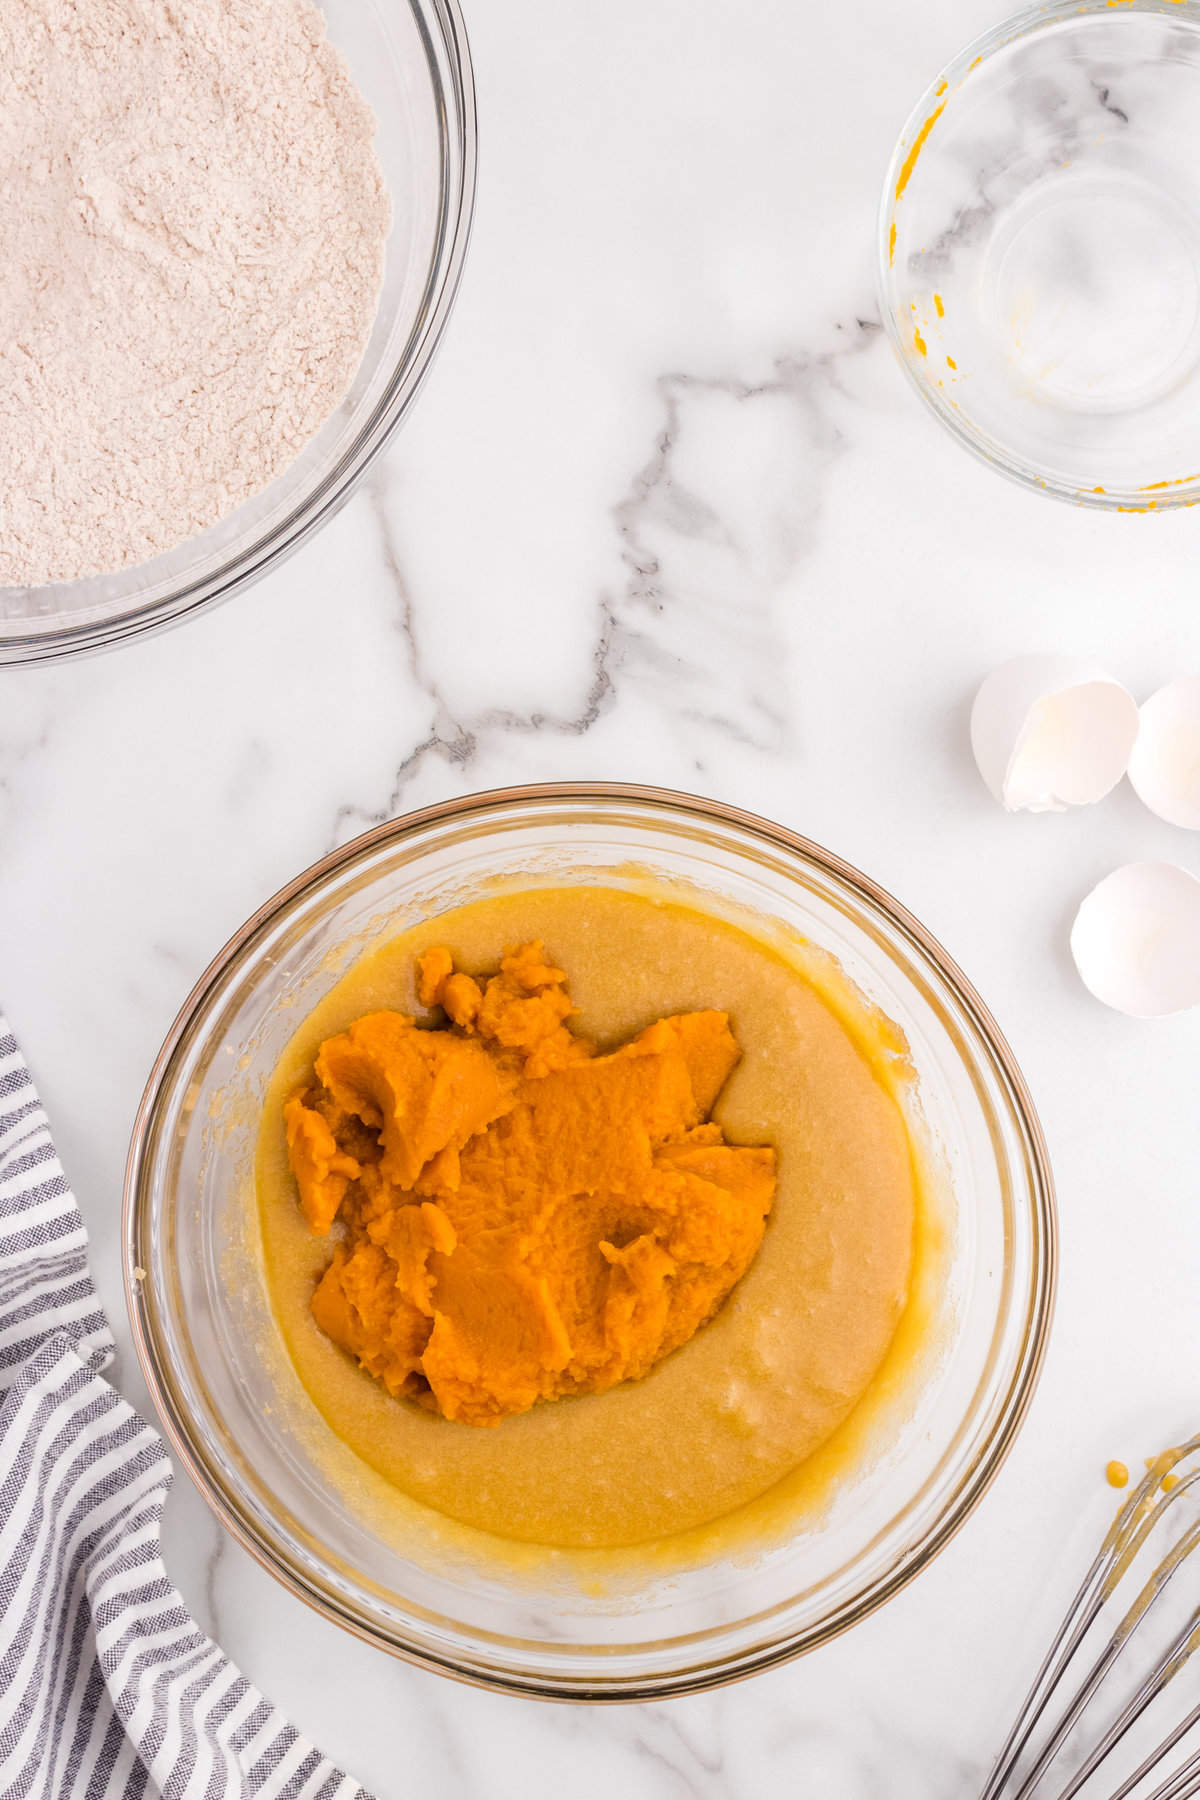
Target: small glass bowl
<point>411,61</point>
<point>1040,251</point>
<point>261,1453</point>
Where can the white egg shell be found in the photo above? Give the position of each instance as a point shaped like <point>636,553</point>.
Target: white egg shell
<point>1049,732</point>
<point>1136,939</point>
<point>1165,765</point>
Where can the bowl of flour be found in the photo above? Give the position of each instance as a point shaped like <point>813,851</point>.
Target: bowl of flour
<point>233,234</point>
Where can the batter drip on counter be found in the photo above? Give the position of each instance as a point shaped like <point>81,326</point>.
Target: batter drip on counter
<point>522,1218</point>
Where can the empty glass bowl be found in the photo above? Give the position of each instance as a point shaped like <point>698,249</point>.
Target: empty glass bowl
<point>411,61</point>
<point>1040,250</point>
<point>263,1455</point>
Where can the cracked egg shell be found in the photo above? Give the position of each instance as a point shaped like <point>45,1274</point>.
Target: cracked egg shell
<point>1049,732</point>
<point>1165,765</point>
<point>1136,940</point>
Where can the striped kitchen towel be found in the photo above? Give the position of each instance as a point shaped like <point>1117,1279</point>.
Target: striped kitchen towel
<point>108,1688</point>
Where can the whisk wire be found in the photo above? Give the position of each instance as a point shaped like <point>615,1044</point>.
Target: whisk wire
<point>1140,1515</point>
<point>1156,1756</point>
<point>1185,1780</point>
<point>1149,1690</point>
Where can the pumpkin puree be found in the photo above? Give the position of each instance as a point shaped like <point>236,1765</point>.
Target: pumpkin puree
<point>522,1217</point>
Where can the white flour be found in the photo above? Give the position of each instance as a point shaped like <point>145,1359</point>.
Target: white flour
<point>192,226</point>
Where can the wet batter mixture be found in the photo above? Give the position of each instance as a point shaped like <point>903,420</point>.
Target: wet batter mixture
<point>614,1419</point>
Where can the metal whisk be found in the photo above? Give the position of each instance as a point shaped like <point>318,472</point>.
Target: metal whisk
<point>1024,1765</point>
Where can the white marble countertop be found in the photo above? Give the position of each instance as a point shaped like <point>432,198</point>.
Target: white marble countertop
<point>666,511</point>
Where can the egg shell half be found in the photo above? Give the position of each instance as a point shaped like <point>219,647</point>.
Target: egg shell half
<point>1050,732</point>
<point>1136,940</point>
<point>1165,765</point>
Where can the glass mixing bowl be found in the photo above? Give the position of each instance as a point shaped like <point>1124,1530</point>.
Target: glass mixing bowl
<point>411,61</point>
<point>1040,250</point>
<point>262,1455</point>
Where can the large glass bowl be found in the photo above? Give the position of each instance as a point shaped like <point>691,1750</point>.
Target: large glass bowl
<point>411,61</point>
<point>260,1452</point>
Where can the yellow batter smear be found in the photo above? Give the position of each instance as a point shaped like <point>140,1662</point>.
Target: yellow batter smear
<point>918,144</point>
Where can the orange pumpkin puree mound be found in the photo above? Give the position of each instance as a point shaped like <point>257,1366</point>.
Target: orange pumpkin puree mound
<point>521,1217</point>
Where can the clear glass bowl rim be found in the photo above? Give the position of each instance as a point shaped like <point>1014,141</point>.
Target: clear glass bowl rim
<point>457,108</point>
<point>1024,24</point>
<point>1039,1310</point>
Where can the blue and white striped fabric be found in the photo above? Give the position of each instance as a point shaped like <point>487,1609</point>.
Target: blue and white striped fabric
<point>108,1688</point>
